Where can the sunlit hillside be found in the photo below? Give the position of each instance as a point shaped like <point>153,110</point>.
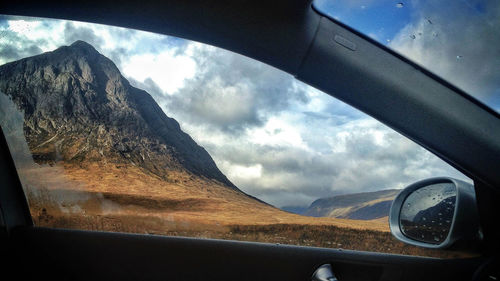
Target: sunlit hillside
<point>125,198</point>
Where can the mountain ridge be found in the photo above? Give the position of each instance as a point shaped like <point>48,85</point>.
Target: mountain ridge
<point>360,206</point>
<point>78,107</point>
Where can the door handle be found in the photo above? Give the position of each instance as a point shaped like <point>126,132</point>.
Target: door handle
<point>324,273</point>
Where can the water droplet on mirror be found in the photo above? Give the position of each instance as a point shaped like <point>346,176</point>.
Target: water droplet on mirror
<point>413,36</point>
<point>436,238</point>
<point>440,214</point>
<point>434,34</point>
<point>400,5</point>
<point>424,219</point>
<point>429,21</point>
<point>459,57</point>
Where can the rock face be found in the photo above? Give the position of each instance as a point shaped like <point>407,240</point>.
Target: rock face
<point>359,206</point>
<point>78,108</point>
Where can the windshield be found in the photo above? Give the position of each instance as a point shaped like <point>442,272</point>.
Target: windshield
<point>457,40</point>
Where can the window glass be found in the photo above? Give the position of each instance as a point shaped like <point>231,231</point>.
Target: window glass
<point>113,129</point>
<point>457,40</point>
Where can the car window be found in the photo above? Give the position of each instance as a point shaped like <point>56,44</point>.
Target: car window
<point>114,129</point>
<point>457,40</point>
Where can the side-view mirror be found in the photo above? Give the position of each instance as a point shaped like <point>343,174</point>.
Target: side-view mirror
<point>435,213</point>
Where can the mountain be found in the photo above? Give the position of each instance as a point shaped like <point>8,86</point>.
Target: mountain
<point>95,153</point>
<point>432,223</point>
<point>444,210</point>
<point>358,206</point>
<point>299,210</point>
<point>78,108</point>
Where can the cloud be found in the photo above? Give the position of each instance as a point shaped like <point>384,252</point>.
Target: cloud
<point>73,33</point>
<point>11,53</point>
<point>233,92</point>
<point>13,45</point>
<point>295,158</point>
<point>274,137</point>
<point>458,42</point>
<point>167,68</point>
<point>151,87</point>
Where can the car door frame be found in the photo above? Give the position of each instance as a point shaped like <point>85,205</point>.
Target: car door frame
<point>314,60</point>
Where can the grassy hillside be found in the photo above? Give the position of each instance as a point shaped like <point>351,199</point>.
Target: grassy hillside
<point>124,198</point>
<point>359,206</point>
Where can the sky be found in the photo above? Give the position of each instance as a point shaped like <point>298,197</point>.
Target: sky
<point>275,137</point>
<point>458,40</point>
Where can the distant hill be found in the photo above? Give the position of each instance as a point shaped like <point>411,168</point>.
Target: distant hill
<point>299,210</point>
<point>358,206</point>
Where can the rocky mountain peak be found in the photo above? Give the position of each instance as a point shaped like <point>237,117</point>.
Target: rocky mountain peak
<point>83,45</point>
<point>78,107</point>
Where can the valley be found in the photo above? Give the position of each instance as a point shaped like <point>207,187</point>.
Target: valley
<point>127,199</point>
<point>95,153</point>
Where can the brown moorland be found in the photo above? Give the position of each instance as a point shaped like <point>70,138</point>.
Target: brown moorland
<point>126,198</point>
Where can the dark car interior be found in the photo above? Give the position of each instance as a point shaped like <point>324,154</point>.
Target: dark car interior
<point>318,50</point>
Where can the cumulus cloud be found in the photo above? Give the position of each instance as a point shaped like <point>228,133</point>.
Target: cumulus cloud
<point>167,68</point>
<point>274,137</point>
<point>308,152</point>
<point>11,53</point>
<point>232,92</point>
<point>14,46</point>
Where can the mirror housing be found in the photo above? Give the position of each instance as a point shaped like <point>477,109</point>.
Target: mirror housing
<point>435,213</point>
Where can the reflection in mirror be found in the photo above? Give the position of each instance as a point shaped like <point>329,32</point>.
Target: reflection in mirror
<point>427,213</point>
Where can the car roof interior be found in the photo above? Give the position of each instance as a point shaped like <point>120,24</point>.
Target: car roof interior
<point>294,37</point>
